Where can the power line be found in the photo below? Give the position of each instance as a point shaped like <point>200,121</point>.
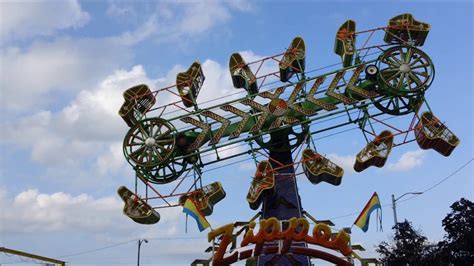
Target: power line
<point>414,196</point>
<point>97,249</point>
<point>126,242</point>
<point>441,181</point>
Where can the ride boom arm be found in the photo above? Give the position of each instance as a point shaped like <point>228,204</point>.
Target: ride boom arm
<point>274,115</point>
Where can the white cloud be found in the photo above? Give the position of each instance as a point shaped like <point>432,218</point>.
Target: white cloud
<point>118,9</point>
<point>89,128</point>
<point>22,20</point>
<point>33,212</point>
<point>344,161</point>
<point>67,65</point>
<point>408,161</point>
<point>29,75</point>
<point>111,161</point>
<point>180,20</point>
<point>84,128</point>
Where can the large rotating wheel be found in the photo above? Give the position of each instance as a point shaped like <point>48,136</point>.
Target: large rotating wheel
<point>163,174</point>
<point>284,139</point>
<point>150,143</point>
<point>405,70</point>
<point>398,105</point>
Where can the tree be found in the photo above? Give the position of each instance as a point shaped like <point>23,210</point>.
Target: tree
<point>408,246</point>
<point>458,244</point>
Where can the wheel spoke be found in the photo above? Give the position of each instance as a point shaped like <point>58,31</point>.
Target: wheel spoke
<point>138,137</point>
<point>416,79</point>
<point>400,82</point>
<point>134,144</point>
<point>142,130</point>
<point>408,56</point>
<point>415,61</point>
<point>389,102</point>
<point>157,154</point>
<point>405,104</point>
<point>396,104</point>
<point>158,131</point>
<point>138,153</point>
<point>424,74</point>
<point>166,133</point>
<point>171,169</point>
<point>150,157</point>
<point>393,76</point>
<point>402,55</point>
<point>409,82</point>
<point>165,141</point>
<point>390,62</point>
<point>420,66</point>
<point>396,59</point>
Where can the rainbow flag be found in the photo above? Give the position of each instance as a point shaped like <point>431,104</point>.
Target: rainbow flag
<point>362,220</point>
<point>190,209</point>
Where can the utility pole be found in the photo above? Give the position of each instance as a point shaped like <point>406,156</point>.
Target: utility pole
<point>140,241</point>
<point>394,204</point>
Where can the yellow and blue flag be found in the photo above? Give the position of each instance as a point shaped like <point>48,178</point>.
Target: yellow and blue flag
<point>190,209</point>
<point>362,220</point>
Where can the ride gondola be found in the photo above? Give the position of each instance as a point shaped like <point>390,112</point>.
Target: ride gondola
<point>262,183</point>
<point>242,76</point>
<point>138,100</point>
<point>206,197</point>
<point>189,84</point>
<point>344,45</point>
<point>430,133</point>
<point>376,152</point>
<point>294,60</point>
<point>137,209</point>
<point>318,168</point>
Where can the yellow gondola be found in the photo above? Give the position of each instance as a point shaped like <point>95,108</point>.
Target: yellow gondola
<point>138,100</point>
<point>293,60</point>
<point>345,42</point>
<point>375,153</point>
<point>137,209</point>
<point>206,197</point>
<point>430,133</point>
<point>318,168</point>
<point>263,181</point>
<point>405,28</point>
<point>242,76</point>
<point>189,84</point>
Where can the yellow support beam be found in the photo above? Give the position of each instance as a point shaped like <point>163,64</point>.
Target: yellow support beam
<point>33,256</point>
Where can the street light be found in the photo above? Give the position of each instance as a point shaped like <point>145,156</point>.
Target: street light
<point>394,201</point>
<point>140,241</point>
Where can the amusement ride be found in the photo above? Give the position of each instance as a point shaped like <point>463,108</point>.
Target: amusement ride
<point>171,145</point>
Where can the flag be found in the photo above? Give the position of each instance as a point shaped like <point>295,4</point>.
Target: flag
<point>190,209</point>
<point>362,220</point>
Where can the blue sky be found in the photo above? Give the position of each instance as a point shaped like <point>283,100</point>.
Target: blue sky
<point>64,65</point>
